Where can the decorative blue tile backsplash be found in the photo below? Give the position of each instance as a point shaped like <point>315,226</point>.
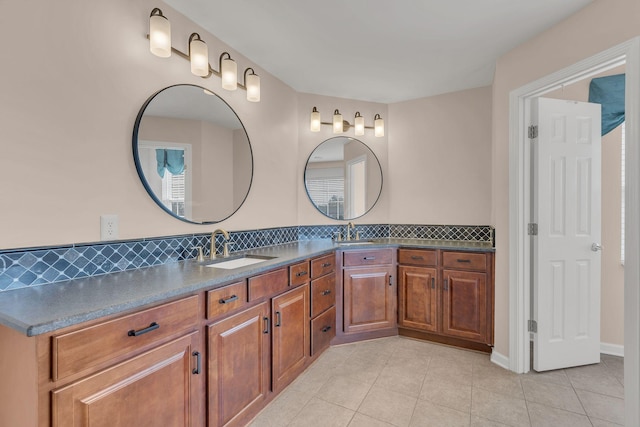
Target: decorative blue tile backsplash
<point>29,267</point>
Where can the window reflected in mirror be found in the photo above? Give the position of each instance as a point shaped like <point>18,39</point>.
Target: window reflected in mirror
<point>343,178</point>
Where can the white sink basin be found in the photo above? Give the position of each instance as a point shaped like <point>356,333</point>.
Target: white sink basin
<point>238,262</point>
<point>354,242</point>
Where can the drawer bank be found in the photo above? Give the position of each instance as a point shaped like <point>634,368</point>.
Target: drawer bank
<point>193,345</point>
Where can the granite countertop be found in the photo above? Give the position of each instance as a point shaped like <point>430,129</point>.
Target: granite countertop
<point>41,309</point>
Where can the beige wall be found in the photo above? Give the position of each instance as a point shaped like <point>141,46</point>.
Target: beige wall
<point>308,141</point>
<point>612,298</point>
<point>440,155</point>
<point>67,113</point>
<point>597,27</point>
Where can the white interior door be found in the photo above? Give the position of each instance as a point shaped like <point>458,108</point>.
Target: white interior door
<point>566,252</point>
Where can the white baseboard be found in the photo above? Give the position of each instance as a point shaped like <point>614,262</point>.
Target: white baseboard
<point>499,359</point>
<point>612,349</point>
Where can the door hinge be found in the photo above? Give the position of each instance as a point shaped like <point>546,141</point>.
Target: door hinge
<point>532,229</point>
<point>533,132</point>
<point>532,326</point>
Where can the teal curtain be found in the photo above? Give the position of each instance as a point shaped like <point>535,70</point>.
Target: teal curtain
<point>171,160</point>
<point>609,92</point>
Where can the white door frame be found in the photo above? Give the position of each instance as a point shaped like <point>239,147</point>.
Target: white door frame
<point>519,211</point>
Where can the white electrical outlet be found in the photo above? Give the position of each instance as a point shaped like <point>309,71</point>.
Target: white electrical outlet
<point>108,227</point>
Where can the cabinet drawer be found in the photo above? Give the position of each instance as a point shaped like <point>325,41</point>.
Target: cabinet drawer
<point>76,351</point>
<point>417,257</point>
<point>465,260</point>
<point>372,257</point>
<point>226,299</point>
<point>323,265</point>
<point>299,273</point>
<point>323,329</point>
<point>323,294</point>
<point>268,284</point>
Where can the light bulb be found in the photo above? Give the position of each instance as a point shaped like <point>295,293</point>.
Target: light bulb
<point>252,83</point>
<point>338,126</point>
<point>378,125</point>
<point>358,123</point>
<point>198,55</point>
<point>229,72</point>
<point>315,120</point>
<point>159,34</point>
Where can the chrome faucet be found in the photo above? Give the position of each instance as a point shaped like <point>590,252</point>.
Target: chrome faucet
<point>350,226</point>
<point>225,246</point>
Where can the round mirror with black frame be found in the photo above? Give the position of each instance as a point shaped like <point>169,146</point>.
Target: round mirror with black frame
<point>343,178</point>
<point>192,154</point>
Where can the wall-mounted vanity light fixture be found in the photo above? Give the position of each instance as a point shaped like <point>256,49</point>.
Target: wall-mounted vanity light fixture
<point>339,125</point>
<point>160,45</point>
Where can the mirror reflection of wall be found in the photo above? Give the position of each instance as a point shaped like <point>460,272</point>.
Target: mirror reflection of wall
<point>343,178</point>
<point>218,164</point>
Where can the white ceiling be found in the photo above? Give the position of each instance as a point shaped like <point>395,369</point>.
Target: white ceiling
<point>376,50</point>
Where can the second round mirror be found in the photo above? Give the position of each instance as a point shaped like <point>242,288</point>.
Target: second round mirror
<point>343,178</point>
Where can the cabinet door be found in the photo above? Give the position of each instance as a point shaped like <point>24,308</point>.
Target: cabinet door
<point>159,387</point>
<point>418,298</point>
<point>291,341</point>
<point>238,356</point>
<point>369,299</point>
<point>464,298</point>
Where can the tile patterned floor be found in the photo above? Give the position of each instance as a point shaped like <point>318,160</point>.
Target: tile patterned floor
<point>402,382</point>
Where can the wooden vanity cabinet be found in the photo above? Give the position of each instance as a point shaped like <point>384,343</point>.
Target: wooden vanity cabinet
<point>418,295</point>
<point>447,295</point>
<point>239,362</point>
<point>323,300</point>
<point>154,388</point>
<point>140,368</point>
<point>369,293</point>
<point>290,335</point>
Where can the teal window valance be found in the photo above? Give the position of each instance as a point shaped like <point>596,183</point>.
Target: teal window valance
<point>170,160</point>
<point>609,92</point>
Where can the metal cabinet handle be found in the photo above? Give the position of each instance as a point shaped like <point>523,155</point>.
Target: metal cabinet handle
<point>326,264</point>
<point>278,318</point>
<point>390,280</point>
<point>196,370</point>
<point>446,285</point>
<point>228,300</point>
<point>433,283</point>
<point>151,327</point>
<point>326,292</point>
<point>326,329</point>
<point>417,257</point>
<point>266,325</point>
<point>302,273</point>
<point>369,258</point>
<point>463,260</point>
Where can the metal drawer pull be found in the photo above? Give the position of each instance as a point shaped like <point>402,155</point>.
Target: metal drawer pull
<point>390,280</point>
<point>463,260</point>
<point>232,298</point>
<point>152,327</point>
<point>196,371</point>
<point>446,285</point>
<point>326,292</point>
<point>278,318</point>
<point>433,283</point>
<point>326,264</point>
<point>417,257</point>
<point>326,329</point>
<point>266,325</point>
<point>302,273</point>
<point>369,258</point>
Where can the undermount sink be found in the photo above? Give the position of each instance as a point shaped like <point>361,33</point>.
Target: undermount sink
<point>354,242</point>
<point>243,261</point>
